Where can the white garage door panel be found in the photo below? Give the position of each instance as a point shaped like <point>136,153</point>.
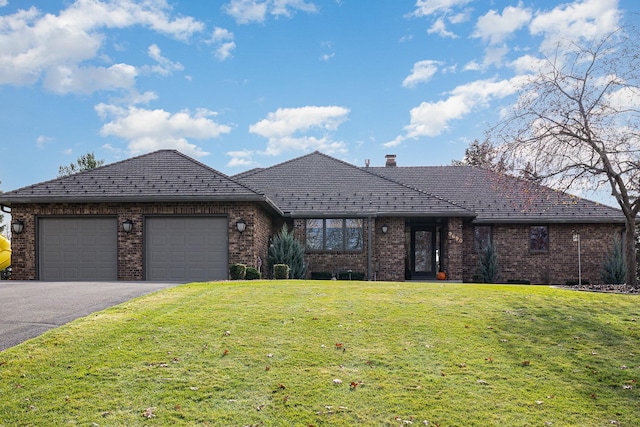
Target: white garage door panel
<point>186,248</point>
<point>78,248</point>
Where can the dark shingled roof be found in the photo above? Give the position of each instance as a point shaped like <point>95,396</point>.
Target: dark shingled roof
<point>318,185</point>
<point>497,197</point>
<point>160,176</point>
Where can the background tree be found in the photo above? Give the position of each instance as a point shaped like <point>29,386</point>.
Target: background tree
<point>483,155</point>
<point>576,124</point>
<point>85,162</point>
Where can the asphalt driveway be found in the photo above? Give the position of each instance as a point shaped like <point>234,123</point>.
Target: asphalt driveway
<point>29,308</point>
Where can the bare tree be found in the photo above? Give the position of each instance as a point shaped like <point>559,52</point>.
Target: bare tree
<point>576,124</point>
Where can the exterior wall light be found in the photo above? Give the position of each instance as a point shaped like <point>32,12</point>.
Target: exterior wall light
<point>18,226</point>
<point>127,226</point>
<point>241,225</point>
<point>385,228</point>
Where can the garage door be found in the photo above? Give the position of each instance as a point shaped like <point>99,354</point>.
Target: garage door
<point>77,248</point>
<point>186,249</point>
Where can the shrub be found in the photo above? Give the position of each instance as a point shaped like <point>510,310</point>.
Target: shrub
<point>614,269</point>
<point>354,275</point>
<point>518,282</point>
<point>489,265</point>
<point>321,275</point>
<point>237,271</point>
<point>280,271</point>
<point>287,250</point>
<point>252,274</point>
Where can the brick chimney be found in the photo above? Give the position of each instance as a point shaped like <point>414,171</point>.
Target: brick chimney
<point>391,160</point>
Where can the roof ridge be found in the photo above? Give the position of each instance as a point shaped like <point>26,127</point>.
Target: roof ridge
<point>417,189</point>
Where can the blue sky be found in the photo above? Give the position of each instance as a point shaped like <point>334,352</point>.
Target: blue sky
<point>239,84</point>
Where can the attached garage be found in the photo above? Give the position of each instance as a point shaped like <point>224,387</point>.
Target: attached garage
<point>78,248</point>
<point>186,248</point>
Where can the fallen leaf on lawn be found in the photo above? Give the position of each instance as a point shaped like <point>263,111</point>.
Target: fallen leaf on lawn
<point>337,381</point>
<point>148,413</point>
<point>194,388</point>
<point>227,333</point>
<point>482,382</point>
<point>627,387</point>
<point>526,363</point>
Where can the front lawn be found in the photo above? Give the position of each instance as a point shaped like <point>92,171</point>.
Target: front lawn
<point>300,353</point>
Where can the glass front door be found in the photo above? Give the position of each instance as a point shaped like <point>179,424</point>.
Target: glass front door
<point>423,250</point>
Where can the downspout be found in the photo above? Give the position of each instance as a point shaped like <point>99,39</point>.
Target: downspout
<point>370,250</point>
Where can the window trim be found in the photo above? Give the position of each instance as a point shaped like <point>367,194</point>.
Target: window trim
<point>547,238</point>
<point>344,231</point>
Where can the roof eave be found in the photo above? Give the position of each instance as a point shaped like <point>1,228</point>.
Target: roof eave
<point>547,220</point>
<point>375,214</point>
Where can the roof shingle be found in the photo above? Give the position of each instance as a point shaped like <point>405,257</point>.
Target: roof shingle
<point>165,175</point>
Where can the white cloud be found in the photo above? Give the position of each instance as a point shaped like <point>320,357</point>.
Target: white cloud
<point>42,140</point>
<point>224,44</point>
<point>164,67</point>
<point>283,7</point>
<point>242,158</point>
<point>148,130</point>
<point>439,27</point>
<point>430,119</point>
<point>282,129</point>
<point>422,72</point>
<point>429,7</point>
<point>3,3</point>
<point>59,47</point>
<point>248,11</point>
<point>86,80</point>
<point>495,28</point>
<point>585,20</point>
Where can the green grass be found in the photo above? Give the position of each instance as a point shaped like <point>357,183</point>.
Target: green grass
<point>447,354</point>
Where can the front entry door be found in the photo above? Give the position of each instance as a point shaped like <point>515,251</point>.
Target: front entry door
<point>423,248</point>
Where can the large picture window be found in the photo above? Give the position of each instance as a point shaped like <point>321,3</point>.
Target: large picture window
<point>539,238</point>
<point>334,234</point>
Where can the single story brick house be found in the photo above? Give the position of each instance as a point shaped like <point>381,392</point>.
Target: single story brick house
<point>164,216</point>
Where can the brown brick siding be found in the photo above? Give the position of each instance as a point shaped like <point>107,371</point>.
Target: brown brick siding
<point>243,248</point>
<point>453,249</point>
<point>459,258</point>
<point>388,252</point>
<point>559,264</point>
<point>389,249</point>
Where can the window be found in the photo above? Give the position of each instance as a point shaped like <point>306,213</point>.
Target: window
<point>482,237</point>
<point>539,238</point>
<point>334,234</point>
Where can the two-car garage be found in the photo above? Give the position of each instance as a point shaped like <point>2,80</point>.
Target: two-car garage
<point>176,248</point>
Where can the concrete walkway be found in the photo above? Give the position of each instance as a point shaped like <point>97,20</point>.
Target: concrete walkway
<point>29,308</point>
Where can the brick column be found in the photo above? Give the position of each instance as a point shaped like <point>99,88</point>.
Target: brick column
<point>454,242</point>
